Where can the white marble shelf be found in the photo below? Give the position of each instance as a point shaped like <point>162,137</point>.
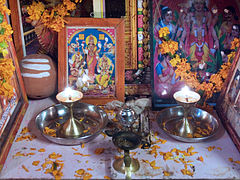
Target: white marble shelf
<point>216,164</point>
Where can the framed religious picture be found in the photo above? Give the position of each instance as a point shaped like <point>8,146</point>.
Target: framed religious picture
<point>91,58</point>
<point>228,106</point>
<point>13,99</point>
<point>190,41</point>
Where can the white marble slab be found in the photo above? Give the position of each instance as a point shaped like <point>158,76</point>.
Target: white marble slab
<point>216,164</point>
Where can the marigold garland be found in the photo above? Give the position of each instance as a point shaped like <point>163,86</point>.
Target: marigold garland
<point>6,64</point>
<point>183,68</point>
<point>52,18</point>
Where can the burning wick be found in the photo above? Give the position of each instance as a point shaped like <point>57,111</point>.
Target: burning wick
<point>185,95</point>
<point>69,95</point>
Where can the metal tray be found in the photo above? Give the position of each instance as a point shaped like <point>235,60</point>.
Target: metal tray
<point>95,119</point>
<point>202,121</point>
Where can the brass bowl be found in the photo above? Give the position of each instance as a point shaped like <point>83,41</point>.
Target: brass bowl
<point>204,124</point>
<point>93,118</point>
<point>126,140</point>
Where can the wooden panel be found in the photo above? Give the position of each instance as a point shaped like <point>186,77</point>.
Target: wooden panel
<point>131,34</point>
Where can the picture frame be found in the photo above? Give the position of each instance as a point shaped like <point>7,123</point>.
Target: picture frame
<point>97,45</point>
<point>206,51</point>
<point>13,109</point>
<point>228,104</point>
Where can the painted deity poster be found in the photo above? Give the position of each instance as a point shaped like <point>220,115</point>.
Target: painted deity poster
<point>91,60</point>
<point>203,31</point>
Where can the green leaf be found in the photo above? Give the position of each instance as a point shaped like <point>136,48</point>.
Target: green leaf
<point>176,15</point>
<point>2,31</point>
<point>210,63</point>
<point>219,59</point>
<point>211,70</point>
<point>1,17</point>
<point>213,58</point>
<point>189,57</point>
<point>3,45</point>
<point>192,62</point>
<point>220,20</point>
<point>222,38</point>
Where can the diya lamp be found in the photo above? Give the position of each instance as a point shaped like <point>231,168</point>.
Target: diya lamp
<point>71,128</point>
<point>187,99</point>
<point>126,140</point>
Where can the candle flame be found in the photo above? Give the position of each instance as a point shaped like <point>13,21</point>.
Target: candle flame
<point>68,92</point>
<point>185,89</point>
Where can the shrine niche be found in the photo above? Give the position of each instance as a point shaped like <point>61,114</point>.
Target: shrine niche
<point>199,31</point>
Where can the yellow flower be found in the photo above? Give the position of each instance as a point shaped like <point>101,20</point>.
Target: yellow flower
<point>168,47</point>
<point>35,10</point>
<point>3,8</point>
<point>217,80</point>
<point>7,32</point>
<point>231,55</point>
<point>225,70</point>
<point>235,43</point>
<point>6,73</point>
<point>54,18</point>
<point>175,61</point>
<point>6,90</point>
<point>69,5</point>
<point>163,32</point>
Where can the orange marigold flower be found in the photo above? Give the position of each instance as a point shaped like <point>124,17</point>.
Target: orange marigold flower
<point>235,43</point>
<point>35,163</point>
<point>175,61</point>
<point>168,47</point>
<point>7,32</point>
<point>166,173</point>
<point>69,5</point>
<point>99,151</point>
<point>24,167</point>
<point>35,10</point>
<point>210,148</point>
<point>107,177</point>
<point>200,158</point>
<point>25,130</point>
<point>54,155</point>
<point>3,7</point>
<point>163,32</point>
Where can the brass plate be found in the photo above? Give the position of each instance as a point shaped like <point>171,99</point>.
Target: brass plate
<point>93,118</point>
<point>205,125</point>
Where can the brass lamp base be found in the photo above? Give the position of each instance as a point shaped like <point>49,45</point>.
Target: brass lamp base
<point>127,141</point>
<point>72,128</point>
<point>181,127</point>
<point>119,165</point>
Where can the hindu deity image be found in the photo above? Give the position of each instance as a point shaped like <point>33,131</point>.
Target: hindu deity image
<point>164,75</point>
<point>203,30</point>
<point>105,68</point>
<point>91,60</point>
